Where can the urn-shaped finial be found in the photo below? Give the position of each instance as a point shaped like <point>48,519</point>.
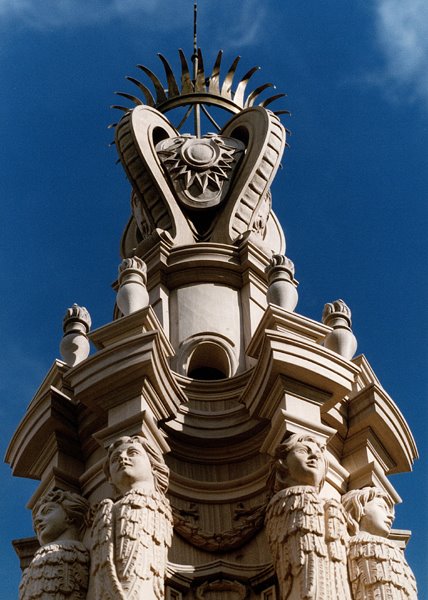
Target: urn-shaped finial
<point>341,340</point>
<point>74,345</point>
<point>282,287</point>
<point>132,294</point>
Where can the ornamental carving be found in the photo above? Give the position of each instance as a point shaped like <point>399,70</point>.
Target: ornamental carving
<point>377,566</point>
<point>212,187</point>
<point>200,169</point>
<point>60,567</point>
<point>306,535</point>
<point>207,358</point>
<point>131,535</point>
<point>223,541</point>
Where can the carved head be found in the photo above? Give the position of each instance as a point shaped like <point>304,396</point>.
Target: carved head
<point>60,515</point>
<point>300,460</point>
<point>370,509</point>
<point>132,463</point>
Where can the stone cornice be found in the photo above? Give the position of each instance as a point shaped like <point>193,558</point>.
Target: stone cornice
<point>373,408</point>
<point>117,373</point>
<point>304,361</point>
<point>50,422</point>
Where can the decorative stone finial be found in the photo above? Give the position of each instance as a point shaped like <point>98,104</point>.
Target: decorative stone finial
<point>282,288</point>
<point>74,345</point>
<point>333,310</point>
<point>132,294</point>
<point>341,340</point>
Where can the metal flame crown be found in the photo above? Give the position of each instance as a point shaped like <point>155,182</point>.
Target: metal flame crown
<point>200,90</point>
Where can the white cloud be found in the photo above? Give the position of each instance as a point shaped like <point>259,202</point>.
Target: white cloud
<point>249,22</point>
<point>162,16</point>
<point>402,30</point>
<point>242,30</point>
<point>48,14</point>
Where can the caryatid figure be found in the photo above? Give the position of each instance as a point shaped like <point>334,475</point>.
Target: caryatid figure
<point>377,567</point>
<point>60,567</point>
<point>306,534</point>
<point>131,535</point>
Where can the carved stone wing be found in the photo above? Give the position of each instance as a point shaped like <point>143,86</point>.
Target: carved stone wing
<point>337,542</point>
<point>379,571</point>
<point>58,571</point>
<point>295,529</point>
<point>143,533</point>
<point>104,582</point>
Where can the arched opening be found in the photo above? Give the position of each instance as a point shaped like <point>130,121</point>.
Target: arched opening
<point>208,361</point>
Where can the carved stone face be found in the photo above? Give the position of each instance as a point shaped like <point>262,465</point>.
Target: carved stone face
<point>305,464</point>
<point>130,467</point>
<point>51,523</point>
<point>377,517</point>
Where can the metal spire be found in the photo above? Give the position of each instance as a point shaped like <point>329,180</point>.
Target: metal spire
<point>197,108</point>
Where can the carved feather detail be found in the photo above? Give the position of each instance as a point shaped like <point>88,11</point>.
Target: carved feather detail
<point>58,571</point>
<point>378,570</point>
<point>130,541</point>
<point>336,536</point>
<point>308,539</point>
<point>295,528</point>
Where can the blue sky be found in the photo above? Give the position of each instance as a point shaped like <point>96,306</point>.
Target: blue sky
<point>352,196</point>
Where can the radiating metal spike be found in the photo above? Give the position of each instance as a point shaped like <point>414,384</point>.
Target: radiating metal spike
<point>184,119</point>
<point>271,99</point>
<point>186,80</point>
<point>214,80</point>
<point>200,76</point>
<point>133,99</point>
<point>226,88</point>
<point>160,92</point>
<point>123,108</point>
<point>205,111</point>
<point>256,93</point>
<point>240,90</point>
<point>172,84</point>
<point>111,126</point>
<point>150,101</point>
<point>282,112</point>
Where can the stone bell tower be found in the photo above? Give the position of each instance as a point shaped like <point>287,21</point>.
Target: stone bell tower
<point>249,451</point>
